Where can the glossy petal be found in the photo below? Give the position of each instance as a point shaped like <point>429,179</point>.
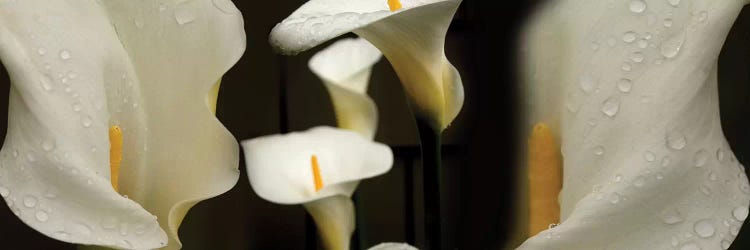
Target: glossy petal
<point>646,165</point>
<point>412,39</point>
<point>280,170</point>
<point>76,69</point>
<point>345,69</point>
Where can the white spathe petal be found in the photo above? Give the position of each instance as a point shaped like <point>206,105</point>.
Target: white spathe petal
<point>334,217</point>
<point>646,163</point>
<point>54,170</point>
<point>412,39</point>
<point>345,69</point>
<point>393,246</point>
<point>179,50</point>
<point>280,170</point>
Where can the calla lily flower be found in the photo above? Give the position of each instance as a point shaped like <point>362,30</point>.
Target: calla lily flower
<point>410,33</point>
<point>110,139</point>
<point>630,89</point>
<point>319,168</point>
<point>345,69</point>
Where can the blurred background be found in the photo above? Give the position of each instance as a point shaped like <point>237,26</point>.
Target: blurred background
<point>266,93</point>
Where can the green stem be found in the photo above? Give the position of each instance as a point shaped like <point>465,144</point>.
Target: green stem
<point>430,143</point>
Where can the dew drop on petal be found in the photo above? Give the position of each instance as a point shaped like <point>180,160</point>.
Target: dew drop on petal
<point>629,37</point>
<point>29,201</point>
<point>184,15</point>
<point>672,217</point>
<point>649,156</point>
<point>611,106</point>
<point>599,150</point>
<point>4,192</point>
<point>637,6</point>
<point>624,85</point>
<point>639,181</point>
<point>41,216</point>
<point>674,3</point>
<point>637,57</point>
<point>48,145</point>
<point>46,84</point>
<point>740,213</point>
<point>86,121</point>
<point>676,140</point>
<point>704,228</point>
<point>672,46</point>
<point>700,158</point>
<point>614,198</point>
<point>41,51</point>
<point>64,55</point>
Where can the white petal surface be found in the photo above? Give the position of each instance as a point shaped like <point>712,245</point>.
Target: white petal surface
<point>180,49</point>
<point>412,39</point>
<point>65,94</point>
<point>78,67</point>
<point>280,170</point>
<point>345,69</point>
<point>646,165</point>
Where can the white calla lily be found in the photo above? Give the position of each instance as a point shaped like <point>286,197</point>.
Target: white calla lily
<point>412,37</point>
<point>319,168</point>
<point>345,69</point>
<point>631,87</point>
<point>143,69</point>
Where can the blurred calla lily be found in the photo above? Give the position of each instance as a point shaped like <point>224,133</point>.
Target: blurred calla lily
<point>630,87</point>
<point>410,33</point>
<point>345,69</point>
<point>109,127</point>
<point>319,168</point>
<point>393,246</point>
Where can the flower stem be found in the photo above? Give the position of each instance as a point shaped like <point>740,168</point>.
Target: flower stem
<point>430,143</point>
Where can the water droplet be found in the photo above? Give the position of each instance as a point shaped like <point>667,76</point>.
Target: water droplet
<point>41,216</point>
<point>637,6</point>
<point>48,145</point>
<point>672,217</point>
<point>614,198</point>
<point>611,106</point>
<point>4,192</point>
<point>639,181</point>
<point>626,67</point>
<point>672,46</point>
<point>668,22</point>
<point>29,201</point>
<point>82,229</point>
<point>705,190</point>
<point>86,121</point>
<point>629,37</point>
<point>740,213</point>
<point>64,55</point>
<point>41,51</point>
<point>30,157</point>
<point>184,15</point>
<point>109,223</point>
<point>649,156</point>
<point>674,2</point>
<point>123,229</point>
<point>587,83</point>
<point>46,84</point>
<point>139,229</point>
<point>676,140</point>
<point>704,228</point>
<point>624,85</point>
<point>225,6</point>
<point>637,57</point>
<point>76,106</point>
<point>702,16</point>
<point>60,235</point>
<point>720,154</point>
<point>659,176</point>
<point>15,153</point>
<point>734,230</point>
<point>599,150</point>
<point>700,158</point>
<point>138,23</point>
<point>618,178</point>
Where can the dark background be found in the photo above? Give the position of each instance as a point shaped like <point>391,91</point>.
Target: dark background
<point>266,93</point>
